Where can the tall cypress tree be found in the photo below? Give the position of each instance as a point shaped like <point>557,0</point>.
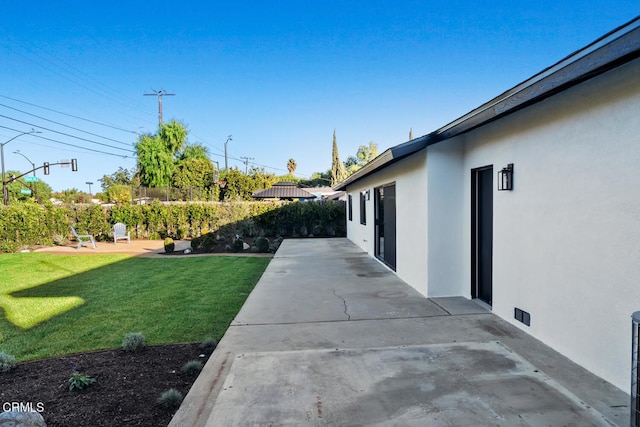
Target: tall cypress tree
<point>338,172</point>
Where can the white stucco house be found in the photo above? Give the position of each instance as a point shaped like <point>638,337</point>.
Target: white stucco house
<point>557,251</point>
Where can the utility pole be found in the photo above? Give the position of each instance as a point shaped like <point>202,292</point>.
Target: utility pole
<point>226,161</point>
<point>159,93</point>
<point>246,163</point>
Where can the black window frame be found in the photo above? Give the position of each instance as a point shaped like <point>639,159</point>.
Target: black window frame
<point>350,207</point>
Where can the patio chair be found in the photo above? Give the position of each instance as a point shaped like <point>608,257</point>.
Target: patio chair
<point>120,232</point>
<point>83,238</point>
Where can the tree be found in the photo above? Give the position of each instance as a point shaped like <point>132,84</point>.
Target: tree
<point>240,186</point>
<point>120,177</point>
<point>317,179</point>
<point>194,151</point>
<point>351,165</point>
<point>14,189</point>
<point>263,179</point>
<point>72,195</point>
<point>118,193</point>
<point>157,154</point>
<point>367,153</point>
<point>291,166</point>
<point>156,162</point>
<point>174,135</point>
<point>338,172</point>
<point>193,172</point>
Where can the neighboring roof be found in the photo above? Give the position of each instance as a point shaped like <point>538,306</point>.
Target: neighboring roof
<point>339,195</point>
<point>616,48</point>
<point>283,190</point>
<point>321,192</point>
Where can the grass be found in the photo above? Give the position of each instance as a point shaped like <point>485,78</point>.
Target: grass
<point>57,304</point>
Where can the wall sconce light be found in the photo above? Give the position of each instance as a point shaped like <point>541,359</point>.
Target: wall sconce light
<point>368,193</point>
<point>505,178</point>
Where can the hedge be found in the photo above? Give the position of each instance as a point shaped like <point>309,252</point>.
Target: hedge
<point>28,224</point>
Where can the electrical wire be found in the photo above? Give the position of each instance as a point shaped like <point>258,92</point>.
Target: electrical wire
<point>65,134</point>
<point>70,74</point>
<point>62,124</point>
<point>72,145</point>
<point>69,115</point>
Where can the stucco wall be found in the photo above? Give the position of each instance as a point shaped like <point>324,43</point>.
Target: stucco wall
<point>566,243</point>
<point>446,246</point>
<point>566,240</point>
<point>410,177</point>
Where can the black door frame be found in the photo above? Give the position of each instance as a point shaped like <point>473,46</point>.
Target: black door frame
<point>476,196</point>
<point>386,224</point>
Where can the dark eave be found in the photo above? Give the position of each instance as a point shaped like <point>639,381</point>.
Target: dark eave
<point>618,47</point>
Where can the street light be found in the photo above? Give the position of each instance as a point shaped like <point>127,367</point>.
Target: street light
<point>5,194</point>
<point>33,166</point>
<point>89,184</point>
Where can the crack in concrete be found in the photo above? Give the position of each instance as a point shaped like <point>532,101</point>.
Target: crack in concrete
<point>344,301</point>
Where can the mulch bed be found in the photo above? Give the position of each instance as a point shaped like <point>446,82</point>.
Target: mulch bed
<point>125,392</point>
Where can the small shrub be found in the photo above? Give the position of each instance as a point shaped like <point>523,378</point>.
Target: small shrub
<point>237,245</point>
<point>59,239</point>
<point>169,245</point>
<point>196,243</point>
<point>209,344</point>
<point>7,362</point>
<point>79,381</point>
<point>170,399</point>
<point>133,341</point>
<point>208,242</point>
<point>273,247</point>
<point>262,243</point>
<point>192,367</point>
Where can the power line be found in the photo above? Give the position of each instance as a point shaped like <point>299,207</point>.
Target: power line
<point>69,115</point>
<point>62,124</point>
<point>71,145</point>
<point>71,73</point>
<point>65,134</point>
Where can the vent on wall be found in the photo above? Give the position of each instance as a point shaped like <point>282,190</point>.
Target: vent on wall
<point>522,316</point>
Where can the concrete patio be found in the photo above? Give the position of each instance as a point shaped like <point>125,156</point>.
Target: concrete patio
<point>331,337</point>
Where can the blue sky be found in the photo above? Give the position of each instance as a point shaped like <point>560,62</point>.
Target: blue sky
<point>278,76</point>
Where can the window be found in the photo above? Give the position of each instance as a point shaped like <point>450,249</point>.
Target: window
<point>350,207</point>
<point>363,208</point>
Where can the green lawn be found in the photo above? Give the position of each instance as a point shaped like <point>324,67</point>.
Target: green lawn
<point>60,304</point>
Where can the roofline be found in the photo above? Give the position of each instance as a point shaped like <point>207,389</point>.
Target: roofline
<point>615,48</point>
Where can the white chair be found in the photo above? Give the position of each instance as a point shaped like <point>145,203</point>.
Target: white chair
<point>83,238</point>
<point>120,232</point>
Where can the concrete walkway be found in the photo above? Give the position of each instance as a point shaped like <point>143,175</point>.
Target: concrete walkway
<point>331,337</point>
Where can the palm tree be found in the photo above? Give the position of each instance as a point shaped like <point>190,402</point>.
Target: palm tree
<point>291,166</point>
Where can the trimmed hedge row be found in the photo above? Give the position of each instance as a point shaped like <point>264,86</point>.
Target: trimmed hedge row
<point>29,224</point>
